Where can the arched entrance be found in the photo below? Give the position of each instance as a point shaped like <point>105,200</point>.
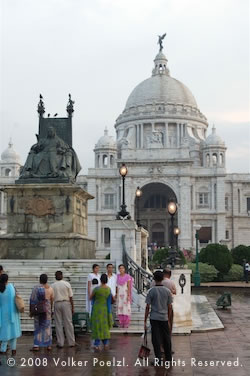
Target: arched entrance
<point>153,213</point>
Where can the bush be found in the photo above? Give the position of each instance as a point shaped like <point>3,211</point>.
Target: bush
<point>208,273</point>
<point>234,274</point>
<point>217,255</point>
<point>161,255</point>
<point>240,253</point>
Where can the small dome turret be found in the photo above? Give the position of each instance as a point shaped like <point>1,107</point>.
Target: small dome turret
<point>10,155</point>
<point>214,150</point>
<point>213,139</point>
<point>106,141</point>
<point>105,151</point>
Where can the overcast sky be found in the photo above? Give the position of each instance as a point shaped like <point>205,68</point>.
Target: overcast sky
<point>99,50</point>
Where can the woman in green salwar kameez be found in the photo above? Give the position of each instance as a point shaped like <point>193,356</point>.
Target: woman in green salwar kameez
<point>101,316</point>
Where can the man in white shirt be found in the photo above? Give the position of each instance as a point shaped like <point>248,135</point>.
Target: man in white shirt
<point>64,308</point>
<point>112,283</point>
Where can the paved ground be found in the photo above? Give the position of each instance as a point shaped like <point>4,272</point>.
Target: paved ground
<point>231,344</point>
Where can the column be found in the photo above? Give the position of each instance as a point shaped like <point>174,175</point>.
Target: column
<point>184,213</point>
<point>166,134</point>
<point>181,130</point>
<point>3,203</point>
<point>141,136</point>
<point>178,134</point>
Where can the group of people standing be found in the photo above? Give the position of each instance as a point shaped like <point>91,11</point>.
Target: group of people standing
<point>109,296</point>
<point>103,292</point>
<point>42,300</point>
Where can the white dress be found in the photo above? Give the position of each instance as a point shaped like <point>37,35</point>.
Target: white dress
<point>90,278</point>
<point>123,305</point>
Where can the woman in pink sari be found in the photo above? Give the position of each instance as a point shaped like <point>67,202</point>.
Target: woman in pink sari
<point>124,296</point>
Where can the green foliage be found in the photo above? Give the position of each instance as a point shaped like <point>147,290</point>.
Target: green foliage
<point>217,255</point>
<point>234,274</point>
<point>182,257</point>
<point>240,253</point>
<point>208,273</point>
<point>107,257</point>
<point>161,255</point>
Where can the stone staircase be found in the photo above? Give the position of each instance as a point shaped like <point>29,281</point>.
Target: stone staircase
<point>24,274</point>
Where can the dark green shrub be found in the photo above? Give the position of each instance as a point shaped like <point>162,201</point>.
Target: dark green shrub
<point>234,274</point>
<point>240,253</point>
<point>107,257</point>
<point>208,273</point>
<point>217,255</point>
<point>161,255</point>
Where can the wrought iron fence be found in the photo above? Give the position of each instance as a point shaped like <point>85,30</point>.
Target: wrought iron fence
<point>142,279</point>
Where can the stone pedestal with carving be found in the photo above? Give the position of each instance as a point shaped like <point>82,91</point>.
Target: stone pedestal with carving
<point>182,300</point>
<point>46,221</point>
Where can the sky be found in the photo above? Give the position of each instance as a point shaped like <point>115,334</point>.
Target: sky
<point>99,50</point>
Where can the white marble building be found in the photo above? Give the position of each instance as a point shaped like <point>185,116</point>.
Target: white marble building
<point>10,164</point>
<point>162,138</point>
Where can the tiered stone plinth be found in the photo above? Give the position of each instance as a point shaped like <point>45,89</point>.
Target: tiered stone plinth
<point>46,221</point>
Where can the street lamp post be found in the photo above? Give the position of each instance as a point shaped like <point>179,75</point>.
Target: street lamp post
<point>138,194</point>
<point>123,213</point>
<point>197,277</point>
<point>172,209</point>
<point>176,233</point>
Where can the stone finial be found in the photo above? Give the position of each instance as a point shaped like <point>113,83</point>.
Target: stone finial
<point>10,143</point>
<point>70,106</point>
<point>40,107</point>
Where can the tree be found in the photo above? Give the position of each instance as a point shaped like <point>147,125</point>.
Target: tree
<point>240,253</point>
<point>217,255</point>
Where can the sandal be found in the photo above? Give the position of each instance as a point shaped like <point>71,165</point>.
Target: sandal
<point>49,348</point>
<point>97,348</point>
<point>34,348</point>
<point>13,352</point>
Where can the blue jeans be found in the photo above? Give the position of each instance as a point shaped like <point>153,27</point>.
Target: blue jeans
<point>5,343</point>
<point>98,341</point>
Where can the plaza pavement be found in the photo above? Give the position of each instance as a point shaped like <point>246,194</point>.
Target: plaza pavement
<point>230,344</point>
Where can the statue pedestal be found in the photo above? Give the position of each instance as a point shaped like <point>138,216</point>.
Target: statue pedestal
<point>46,221</point>
<point>182,301</point>
<point>135,241</point>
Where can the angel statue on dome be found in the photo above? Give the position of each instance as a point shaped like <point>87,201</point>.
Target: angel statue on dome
<point>160,39</point>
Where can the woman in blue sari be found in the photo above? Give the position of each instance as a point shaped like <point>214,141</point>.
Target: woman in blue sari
<point>10,328</point>
<point>43,295</point>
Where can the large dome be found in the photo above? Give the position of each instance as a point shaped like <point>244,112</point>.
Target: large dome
<point>160,89</point>
<point>161,97</point>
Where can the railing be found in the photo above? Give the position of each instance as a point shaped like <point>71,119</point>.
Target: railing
<point>142,279</point>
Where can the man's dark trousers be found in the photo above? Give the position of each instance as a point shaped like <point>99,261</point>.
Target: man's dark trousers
<point>161,336</point>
